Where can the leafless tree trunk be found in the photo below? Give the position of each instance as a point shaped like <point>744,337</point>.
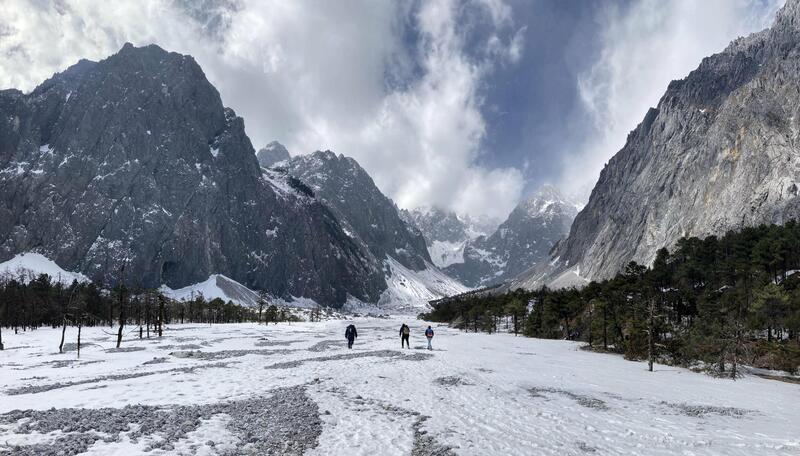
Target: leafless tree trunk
<point>80,323</point>
<point>651,326</point>
<point>160,315</point>
<point>121,305</point>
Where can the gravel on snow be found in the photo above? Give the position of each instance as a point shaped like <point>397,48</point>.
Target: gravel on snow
<point>285,423</point>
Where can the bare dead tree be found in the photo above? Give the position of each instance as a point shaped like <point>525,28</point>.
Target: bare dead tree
<point>160,315</point>
<point>651,317</point>
<point>261,299</point>
<point>64,315</point>
<point>121,305</point>
<point>79,314</point>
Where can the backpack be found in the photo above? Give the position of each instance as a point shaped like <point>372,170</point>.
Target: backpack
<point>406,330</point>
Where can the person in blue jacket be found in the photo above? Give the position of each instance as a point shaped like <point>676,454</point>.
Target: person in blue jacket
<point>350,334</point>
<point>429,335</point>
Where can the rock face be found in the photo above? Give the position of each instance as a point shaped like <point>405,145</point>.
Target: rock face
<point>523,240</point>
<point>366,213</point>
<point>133,161</point>
<point>720,151</point>
<point>373,221</point>
<point>274,152</point>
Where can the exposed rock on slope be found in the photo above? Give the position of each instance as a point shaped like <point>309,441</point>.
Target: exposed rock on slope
<point>346,187</point>
<point>133,161</point>
<point>372,220</point>
<point>720,151</point>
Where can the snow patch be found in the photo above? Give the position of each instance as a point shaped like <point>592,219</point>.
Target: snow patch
<point>410,290</point>
<point>445,253</point>
<point>27,266</point>
<point>216,286</point>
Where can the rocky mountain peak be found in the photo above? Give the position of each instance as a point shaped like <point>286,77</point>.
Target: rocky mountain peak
<point>134,161</point>
<point>271,154</point>
<point>370,216</point>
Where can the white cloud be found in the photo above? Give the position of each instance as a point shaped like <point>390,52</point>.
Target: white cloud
<point>312,75</point>
<point>644,47</point>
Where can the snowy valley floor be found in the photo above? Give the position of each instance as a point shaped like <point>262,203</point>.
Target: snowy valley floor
<point>296,389</point>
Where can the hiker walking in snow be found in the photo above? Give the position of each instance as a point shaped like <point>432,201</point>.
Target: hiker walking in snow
<point>405,331</point>
<point>350,334</point>
<point>429,335</point>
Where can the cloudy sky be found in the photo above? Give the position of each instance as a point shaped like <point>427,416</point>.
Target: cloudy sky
<point>468,105</point>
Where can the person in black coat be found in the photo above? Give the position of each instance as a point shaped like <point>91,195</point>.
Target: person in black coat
<point>350,334</point>
<point>405,332</point>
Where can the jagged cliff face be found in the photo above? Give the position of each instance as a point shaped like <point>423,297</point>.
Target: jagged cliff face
<point>523,240</point>
<point>134,161</point>
<point>720,151</point>
<point>367,214</point>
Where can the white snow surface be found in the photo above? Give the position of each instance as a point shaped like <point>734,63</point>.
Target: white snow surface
<point>29,265</point>
<point>445,253</point>
<point>216,286</point>
<point>484,394</point>
<point>410,291</point>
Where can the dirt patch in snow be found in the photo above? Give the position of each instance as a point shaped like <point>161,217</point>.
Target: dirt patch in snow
<point>124,349</point>
<point>425,444</point>
<point>325,345</point>
<point>700,411</point>
<point>274,343</point>
<point>451,381</point>
<point>225,354</point>
<point>354,355</point>
<point>34,389</point>
<point>581,399</point>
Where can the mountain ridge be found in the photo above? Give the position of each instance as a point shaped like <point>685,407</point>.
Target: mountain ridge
<point>718,152</point>
<point>131,167</point>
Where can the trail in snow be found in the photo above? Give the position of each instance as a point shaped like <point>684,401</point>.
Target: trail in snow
<point>296,389</point>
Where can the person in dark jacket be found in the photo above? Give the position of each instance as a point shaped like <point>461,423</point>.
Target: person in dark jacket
<point>429,335</point>
<point>405,332</point>
<point>350,334</point>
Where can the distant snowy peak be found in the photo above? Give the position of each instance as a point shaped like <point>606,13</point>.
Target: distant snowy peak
<point>523,240</point>
<point>547,203</point>
<point>271,154</point>
<point>216,286</point>
<point>28,266</point>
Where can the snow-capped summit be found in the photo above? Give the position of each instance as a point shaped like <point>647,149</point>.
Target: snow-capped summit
<point>272,153</point>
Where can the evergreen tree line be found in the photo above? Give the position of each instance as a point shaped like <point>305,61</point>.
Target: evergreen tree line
<point>29,303</point>
<point>712,303</point>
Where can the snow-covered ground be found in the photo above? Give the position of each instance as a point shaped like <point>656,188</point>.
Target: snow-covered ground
<point>28,266</point>
<point>296,388</point>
